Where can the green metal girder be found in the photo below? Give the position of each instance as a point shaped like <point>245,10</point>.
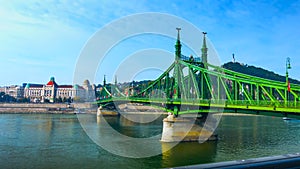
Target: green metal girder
<point>267,93</point>
<point>282,96</point>
<point>107,92</point>
<point>159,78</point>
<point>209,86</point>
<point>226,90</point>
<point>251,80</point>
<point>195,84</point>
<point>245,92</point>
<point>182,87</point>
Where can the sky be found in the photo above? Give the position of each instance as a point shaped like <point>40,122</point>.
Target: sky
<point>40,39</point>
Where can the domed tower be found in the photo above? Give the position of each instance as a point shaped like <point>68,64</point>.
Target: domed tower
<point>86,84</point>
<point>26,90</point>
<point>50,90</point>
<point>90,92</point>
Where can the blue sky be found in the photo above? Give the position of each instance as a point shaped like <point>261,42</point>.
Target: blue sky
<point>40,39</point>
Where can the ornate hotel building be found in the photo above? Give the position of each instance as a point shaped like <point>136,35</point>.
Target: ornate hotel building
<point>52,91</point>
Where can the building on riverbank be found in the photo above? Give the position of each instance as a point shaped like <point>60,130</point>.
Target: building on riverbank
<point>14,91</point>
<point>51,92</point>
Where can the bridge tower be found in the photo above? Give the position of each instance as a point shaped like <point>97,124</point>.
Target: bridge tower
<point>177,66</point>
<point>178,126</point>
<point>178,46</point>
<point>177,69</point>
<point>204,49</point>
<point>204,78</point>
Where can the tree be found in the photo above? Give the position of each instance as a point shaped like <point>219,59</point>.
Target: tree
<point>69,100</point>
<point>64,100</point>
<point>6,98</point>
<point>58,100</point>
<point>24,100</point>
<point>2,96</point>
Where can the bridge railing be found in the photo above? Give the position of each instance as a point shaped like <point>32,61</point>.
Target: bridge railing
<point>206,102</point>
<point>265,103</point>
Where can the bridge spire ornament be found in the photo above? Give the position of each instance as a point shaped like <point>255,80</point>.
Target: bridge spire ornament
<point>178,45</point>
<point>116,80</point>
<point>204,49</point>
<point>104,81</point>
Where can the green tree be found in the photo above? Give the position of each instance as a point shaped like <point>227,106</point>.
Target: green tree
<point>58,100</point>
<point>2,96</point>
<point>64,100</point>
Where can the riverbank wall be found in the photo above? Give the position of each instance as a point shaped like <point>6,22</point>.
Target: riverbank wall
<point>53,108</point>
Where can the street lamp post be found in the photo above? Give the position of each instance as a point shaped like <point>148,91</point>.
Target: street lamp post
<point>288,66</point>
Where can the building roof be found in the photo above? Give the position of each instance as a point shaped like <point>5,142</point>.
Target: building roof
<point>76,86</point>
<point>65,86</point>
<point>34,85</point>
<point>52,82</point>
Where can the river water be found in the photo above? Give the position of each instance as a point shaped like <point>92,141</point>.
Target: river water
<point>59,141</point>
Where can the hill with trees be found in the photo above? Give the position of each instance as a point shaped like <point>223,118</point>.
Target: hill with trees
<point>256,71</point>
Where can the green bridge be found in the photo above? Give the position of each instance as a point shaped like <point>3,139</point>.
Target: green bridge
<point>192,85</point>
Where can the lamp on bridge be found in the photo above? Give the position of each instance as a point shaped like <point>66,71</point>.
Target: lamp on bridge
<point>288,66</point>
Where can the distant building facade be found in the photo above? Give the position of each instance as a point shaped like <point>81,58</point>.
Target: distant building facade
<point>52,91</point>
<point>14,91</point>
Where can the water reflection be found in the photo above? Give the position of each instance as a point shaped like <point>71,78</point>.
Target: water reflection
<point>120,136</point>
<point>188,153</point>
<point>58,141</point>
<point>140,119</point>
<point>38,141</point>
<point>124,125</point>
<point>243,137</point>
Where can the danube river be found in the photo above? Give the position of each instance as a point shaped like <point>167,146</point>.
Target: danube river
<point>59,141</point>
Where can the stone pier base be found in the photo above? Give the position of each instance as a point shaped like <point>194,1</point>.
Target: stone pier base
<point>185,129</point>
<point>104,112</point>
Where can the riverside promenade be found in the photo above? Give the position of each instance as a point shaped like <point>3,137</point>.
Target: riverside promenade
<point>55,108</point>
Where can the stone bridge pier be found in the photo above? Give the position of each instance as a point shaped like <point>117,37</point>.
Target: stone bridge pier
<point>185,129</point>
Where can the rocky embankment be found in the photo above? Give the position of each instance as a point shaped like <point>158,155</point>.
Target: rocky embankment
<point>55,108</point>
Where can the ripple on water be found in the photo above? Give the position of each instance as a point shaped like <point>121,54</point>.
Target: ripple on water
<point>58,141</point>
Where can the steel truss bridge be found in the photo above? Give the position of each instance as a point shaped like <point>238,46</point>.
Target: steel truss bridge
<point>191,85</point>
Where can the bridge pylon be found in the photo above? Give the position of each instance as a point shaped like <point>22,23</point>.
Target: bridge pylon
<point>183,81</point>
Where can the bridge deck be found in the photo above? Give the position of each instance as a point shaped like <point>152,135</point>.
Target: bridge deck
<point>205,105</point>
